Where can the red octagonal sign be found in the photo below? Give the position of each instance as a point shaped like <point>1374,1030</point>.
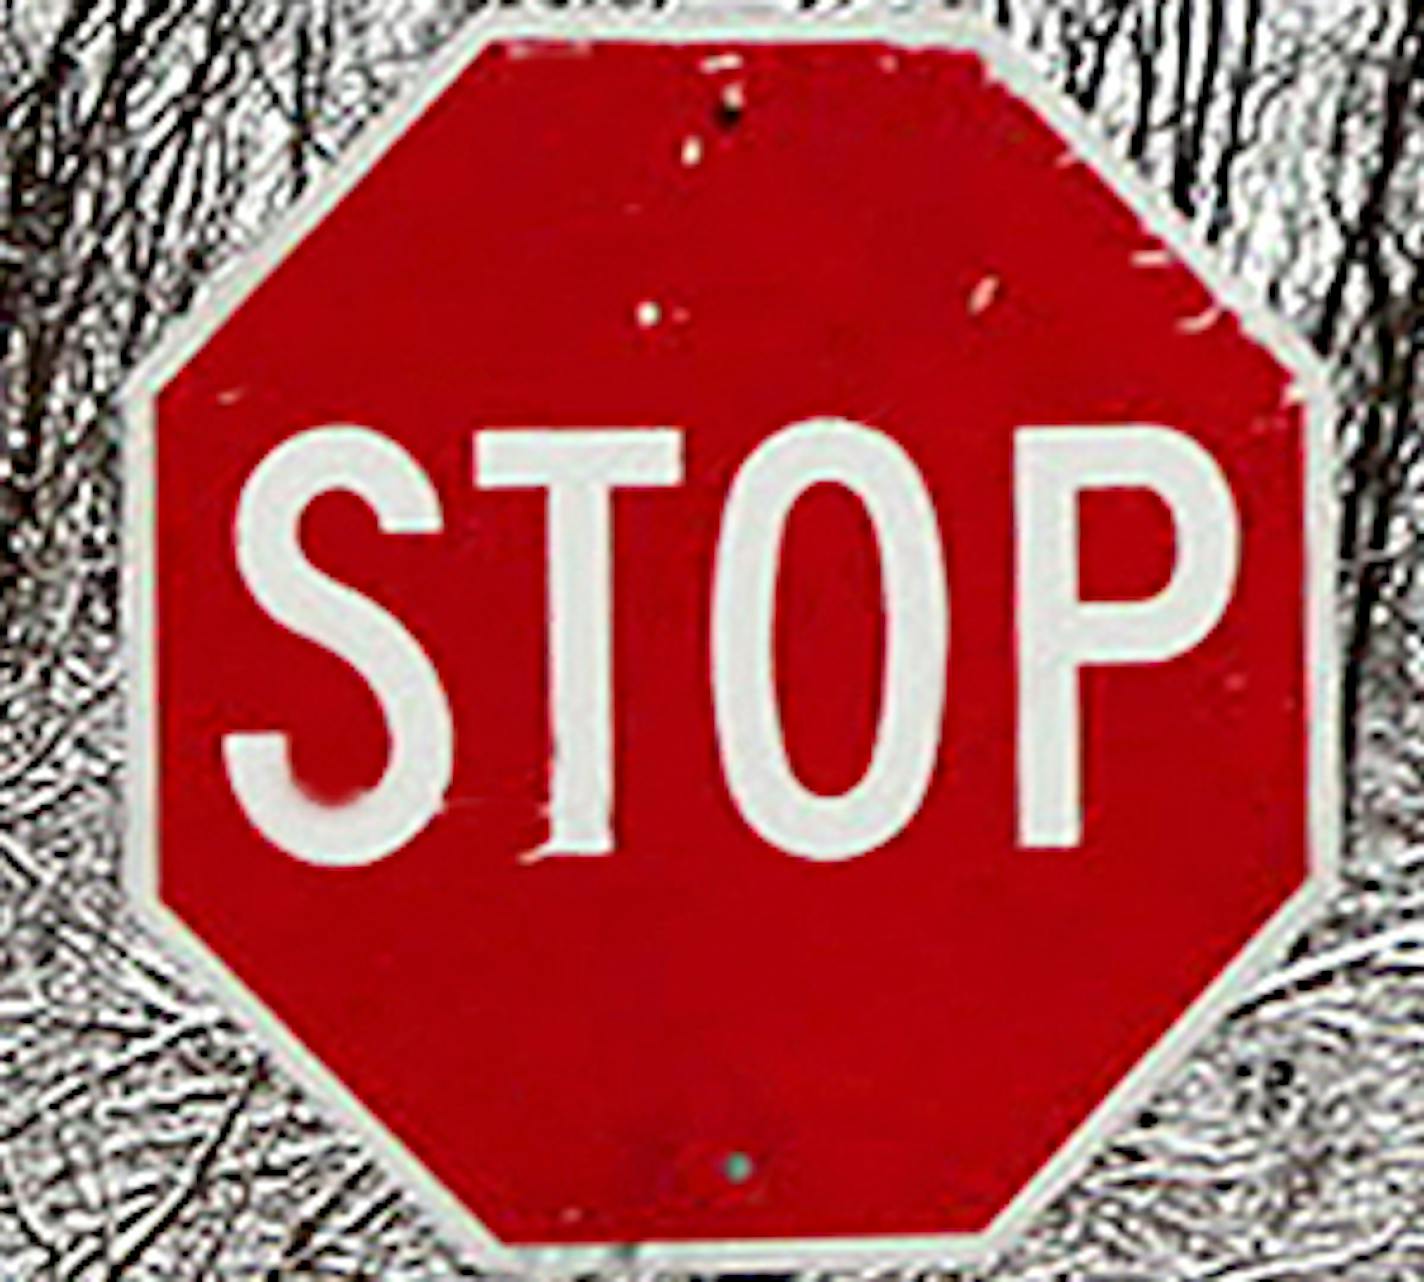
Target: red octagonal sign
<point>730,640</point>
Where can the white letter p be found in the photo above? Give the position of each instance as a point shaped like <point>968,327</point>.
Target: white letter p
<point>1058,633</point>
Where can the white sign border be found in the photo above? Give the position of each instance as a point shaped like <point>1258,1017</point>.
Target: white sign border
<point>904,26</point>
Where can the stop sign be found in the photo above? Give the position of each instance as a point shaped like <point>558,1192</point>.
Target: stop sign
<point>731,640</point>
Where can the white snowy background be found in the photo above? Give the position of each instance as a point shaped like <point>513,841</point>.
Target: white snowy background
<point>147,143</point>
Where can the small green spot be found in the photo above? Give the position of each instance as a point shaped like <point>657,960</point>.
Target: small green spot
<point>737,1168</point>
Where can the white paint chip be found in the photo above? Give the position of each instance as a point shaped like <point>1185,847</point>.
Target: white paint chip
<point>692,150</point>
<point>648,314</point>
<point>526,50</point>
<point>1200,323</point>
<point>982,296</point>
<point>721,62</point>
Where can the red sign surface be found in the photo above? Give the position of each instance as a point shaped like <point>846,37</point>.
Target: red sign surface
<point>729,641</point>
